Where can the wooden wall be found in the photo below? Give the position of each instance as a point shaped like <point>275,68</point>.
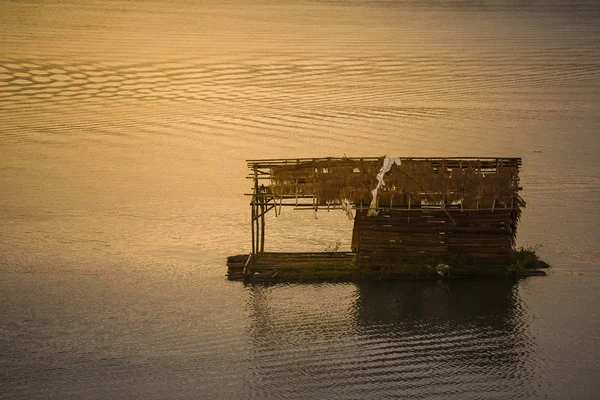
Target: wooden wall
<point>473,236</point>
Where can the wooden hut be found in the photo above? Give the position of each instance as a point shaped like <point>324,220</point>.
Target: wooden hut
<point>412,216</point>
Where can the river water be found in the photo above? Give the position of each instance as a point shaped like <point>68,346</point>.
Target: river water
<point>124,130</point>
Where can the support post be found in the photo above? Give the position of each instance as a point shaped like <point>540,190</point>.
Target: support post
<point>254,219</point>
<point>257,199</point>
<point>257,231</point>
<point>262,228</point>
<point>252,225</point>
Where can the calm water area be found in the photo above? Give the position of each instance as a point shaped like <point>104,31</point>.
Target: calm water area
<point>124,130</point>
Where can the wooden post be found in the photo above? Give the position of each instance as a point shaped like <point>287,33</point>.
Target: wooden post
<point>257,229</point>
<point>262,228</point>
<point>252,225</point>
<point>257,246</point>
<point>255,237</point>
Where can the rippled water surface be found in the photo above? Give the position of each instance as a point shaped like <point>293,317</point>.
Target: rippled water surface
<point>124,130</point>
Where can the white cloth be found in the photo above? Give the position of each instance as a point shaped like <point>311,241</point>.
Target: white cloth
<point>388,162</point>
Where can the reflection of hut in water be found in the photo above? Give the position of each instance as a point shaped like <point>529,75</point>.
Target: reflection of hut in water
<point>412,216</point>
<point>463,327</point>
<point>485,302</point>
<point>400,335</point>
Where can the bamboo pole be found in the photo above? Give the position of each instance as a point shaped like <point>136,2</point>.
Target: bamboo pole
<point>257,231</point>
<point>262,228</point>
<point>255,217</point>
<point>278,161</point>
<point>252,226</point>
<point>257,227</point>
<point>335,206</point>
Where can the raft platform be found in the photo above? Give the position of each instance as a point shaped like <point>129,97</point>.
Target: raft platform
<point>346,266</point>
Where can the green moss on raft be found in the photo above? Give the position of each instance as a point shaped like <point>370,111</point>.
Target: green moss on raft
<point>329,270</point>
<point>397,268</point>
<point>339,270</point>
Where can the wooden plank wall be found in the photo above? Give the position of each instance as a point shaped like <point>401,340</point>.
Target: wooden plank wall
<point>481,236</point>
<point>478,236</point>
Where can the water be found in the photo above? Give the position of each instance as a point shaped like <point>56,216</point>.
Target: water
<point>124,127</point>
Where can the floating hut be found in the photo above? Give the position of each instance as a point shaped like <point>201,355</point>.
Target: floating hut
<point>413,217</point>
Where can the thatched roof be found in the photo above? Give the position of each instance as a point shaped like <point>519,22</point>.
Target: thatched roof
<point>473,183</point>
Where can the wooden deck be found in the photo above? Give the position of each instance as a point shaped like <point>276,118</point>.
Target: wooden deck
<point>291,266</point>
<point>342,266</point>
